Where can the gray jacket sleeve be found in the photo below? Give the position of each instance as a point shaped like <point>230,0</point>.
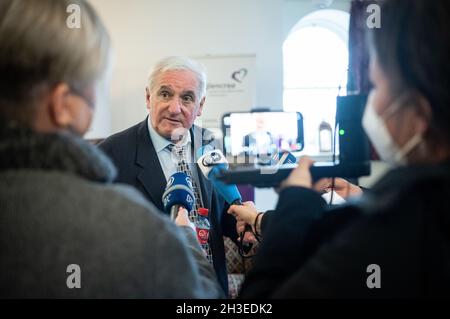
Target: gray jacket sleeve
<point>173,262</point>
<point>176,271</point>
<point>208,275</point>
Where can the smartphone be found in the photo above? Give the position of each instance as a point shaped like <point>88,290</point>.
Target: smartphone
<point>262,133</point>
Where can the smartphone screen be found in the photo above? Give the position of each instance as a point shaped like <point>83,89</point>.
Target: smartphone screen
<point>262,133</point>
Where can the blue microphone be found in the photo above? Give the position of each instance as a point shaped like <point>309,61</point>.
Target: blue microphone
<point>178,193</point>
<point>212,163</point>
<point>228,191</point>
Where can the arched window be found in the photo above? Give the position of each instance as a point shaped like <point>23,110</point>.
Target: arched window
<point>315,62</point>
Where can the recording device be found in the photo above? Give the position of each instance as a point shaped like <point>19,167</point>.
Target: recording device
<point>262,133</point>
<point>353,160</point>
<point>178,193</point>
<point>354,146</point>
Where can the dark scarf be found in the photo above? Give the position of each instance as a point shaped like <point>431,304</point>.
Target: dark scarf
<point>21,148</point>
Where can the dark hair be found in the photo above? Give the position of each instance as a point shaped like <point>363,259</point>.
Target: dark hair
<point>413,49</point>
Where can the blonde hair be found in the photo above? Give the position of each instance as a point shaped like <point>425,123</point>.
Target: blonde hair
<point>38,49</point>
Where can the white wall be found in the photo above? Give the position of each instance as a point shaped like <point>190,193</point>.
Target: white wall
<point>143,31</point>
<point>294,10</point>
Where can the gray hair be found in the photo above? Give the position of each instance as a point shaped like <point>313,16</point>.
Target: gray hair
<point>174,63</point>
<point>38,50</point>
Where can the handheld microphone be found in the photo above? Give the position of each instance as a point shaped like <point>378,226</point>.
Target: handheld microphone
<point>212,163</point>
<point>178,194</point>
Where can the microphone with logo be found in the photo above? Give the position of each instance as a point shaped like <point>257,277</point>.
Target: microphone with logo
<point>178,193</point>
<point>211,163</point>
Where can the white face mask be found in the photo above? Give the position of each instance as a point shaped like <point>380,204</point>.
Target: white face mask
<point>379,135</point>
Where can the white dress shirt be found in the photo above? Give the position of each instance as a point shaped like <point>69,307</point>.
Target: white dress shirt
<point>168,161</point>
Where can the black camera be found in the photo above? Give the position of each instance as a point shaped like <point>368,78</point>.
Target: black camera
<point>352,160</point>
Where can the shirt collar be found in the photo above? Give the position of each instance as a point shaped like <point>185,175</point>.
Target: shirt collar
<point>160,143</point>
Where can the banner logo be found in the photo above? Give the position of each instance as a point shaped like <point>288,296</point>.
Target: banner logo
<point>239,75</point>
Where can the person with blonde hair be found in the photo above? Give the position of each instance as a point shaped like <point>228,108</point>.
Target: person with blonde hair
<point>65,230</point>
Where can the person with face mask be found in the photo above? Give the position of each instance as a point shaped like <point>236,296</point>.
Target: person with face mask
<point>65,230</point>
<point>394,240</point>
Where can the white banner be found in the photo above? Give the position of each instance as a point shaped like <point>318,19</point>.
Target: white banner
<point>231,87</point>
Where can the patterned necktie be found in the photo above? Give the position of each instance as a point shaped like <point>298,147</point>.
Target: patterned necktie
<point>183,166</point>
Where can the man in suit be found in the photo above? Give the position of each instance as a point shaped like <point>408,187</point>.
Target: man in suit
<point>144,155</point>
<point>258,142</point>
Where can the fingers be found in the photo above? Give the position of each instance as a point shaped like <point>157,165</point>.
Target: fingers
<point>246,212</point>
<point>341,186</point>
<point>322,185</point>
<point>233,210</point>
<point>340,183</point>
<point>245,215</point>
<point>183,212</point>
<point>183,219</point>
<point>305,162</point>
<point>348,190</point>
<point>240,226</point>
<point>249,204</point>
<point>300,176</point>
<point>249,238</point>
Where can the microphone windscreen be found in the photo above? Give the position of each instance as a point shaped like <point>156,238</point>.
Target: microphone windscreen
<point>210,159</point>
<point>211,163</point>
<point>178,192</point>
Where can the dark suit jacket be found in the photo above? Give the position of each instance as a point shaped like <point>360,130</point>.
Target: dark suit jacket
<point>138,165</point>
<point>250,140</point>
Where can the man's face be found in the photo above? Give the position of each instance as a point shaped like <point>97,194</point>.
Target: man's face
<point>174,102</point>
<point>260,123</point>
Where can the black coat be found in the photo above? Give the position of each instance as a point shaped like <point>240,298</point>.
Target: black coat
<point>138,165</point>
<point>402,225</point>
